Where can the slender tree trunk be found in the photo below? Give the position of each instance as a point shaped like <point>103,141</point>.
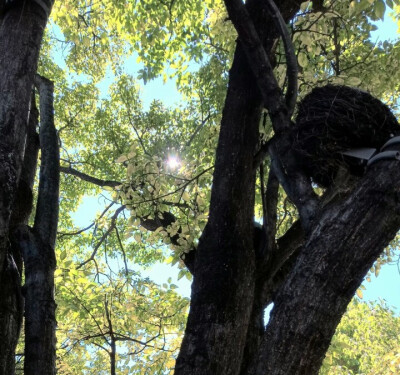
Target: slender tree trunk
<point>37,246</point>
<point>112,342</point>
<point>21,31</point>
<point>113,356</point>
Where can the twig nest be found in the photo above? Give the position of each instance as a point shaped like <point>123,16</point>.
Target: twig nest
<point>333,119</point>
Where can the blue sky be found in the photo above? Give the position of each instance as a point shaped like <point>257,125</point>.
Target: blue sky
<point>386,286</point>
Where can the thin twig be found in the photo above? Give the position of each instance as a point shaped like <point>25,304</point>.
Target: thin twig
<point>183,186</point>
<point>103,238</point>
<point>123,251</point>
<point>198,128</point>
<point>61,234</point>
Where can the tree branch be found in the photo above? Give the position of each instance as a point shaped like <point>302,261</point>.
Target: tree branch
<point>298,187</point>
<point>271,203</point>
<point>103,334</point>
<point>123,251</point>
<point>46,219</point>
<point>87,178</point>
<point>291,60</point>
<point>198,128</point>
<point>89,226</point>
<point>258,61</point>
<point>103,238</point>
<point>286,246</point>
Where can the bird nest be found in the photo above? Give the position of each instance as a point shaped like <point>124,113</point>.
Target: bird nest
<point>333,119</point>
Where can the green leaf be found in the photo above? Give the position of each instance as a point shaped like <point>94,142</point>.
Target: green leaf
<point>352,7</point>
<point>186,196</point>
<point>379,9</point>
<point>304,5</point>
<point>121,159</point>
<point>302,59</point>
<point>353,81</point>
<point>138,237</point>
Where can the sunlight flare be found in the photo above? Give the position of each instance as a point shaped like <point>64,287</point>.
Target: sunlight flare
<point>173,162</point>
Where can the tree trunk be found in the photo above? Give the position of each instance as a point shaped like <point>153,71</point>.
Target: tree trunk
<point>37,246</point>
<point>11,310</point>
<point>223,286</point>
<point>345,241</point>
<point>310,283</point>
<point>113,355</point>
<point>21,33</point>
<point>225,266</point>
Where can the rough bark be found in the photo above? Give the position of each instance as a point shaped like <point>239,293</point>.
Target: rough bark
<point>345,241</point>
<point>21,32</point>
<point>23,202</point>
<point>38,249</point>
<point>310,284</point>
<point>224,272</point>
<point>223,283</point>
<point>11,308</point>
<point>314,295</point>
<point>12,301</point>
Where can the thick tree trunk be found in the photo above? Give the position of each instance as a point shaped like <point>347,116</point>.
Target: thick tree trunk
<point>40,322</point>
<point>22,209</point>
<point>21,33</point>
<point>12,301</point>
<point>345,241</point>
<point>11,309</point>
<point>340,248</point>
<point>222,301</point>
<point>223,286</point>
